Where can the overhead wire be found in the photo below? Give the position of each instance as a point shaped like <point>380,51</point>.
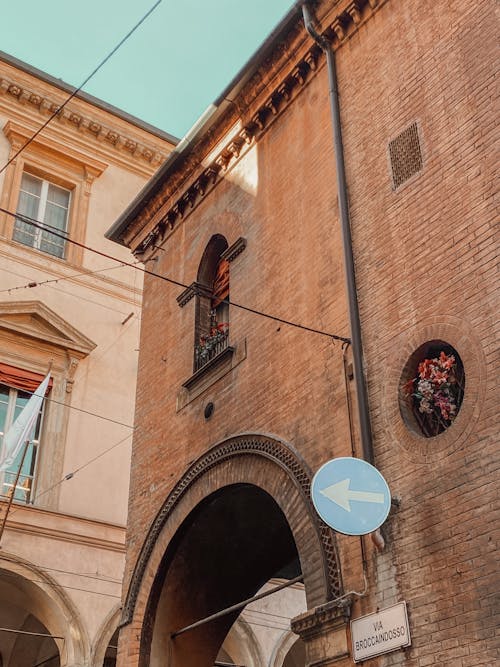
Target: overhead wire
<point>69,476</point>
<point>31,284</point>
<point>74,574</point>
<point>36,223</point>
<point>72,473</point>
<point>58,110</point>
<point>58,585</point>
<point>48,282</point>
<point>86,412</point>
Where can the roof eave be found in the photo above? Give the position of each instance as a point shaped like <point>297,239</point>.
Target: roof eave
<point>202,126</point>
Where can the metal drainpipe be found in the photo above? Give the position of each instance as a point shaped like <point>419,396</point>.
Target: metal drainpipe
<point>357,350</point>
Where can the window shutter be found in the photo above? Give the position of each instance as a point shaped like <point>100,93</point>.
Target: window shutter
<point>221,283</point>
<point>21,379</point>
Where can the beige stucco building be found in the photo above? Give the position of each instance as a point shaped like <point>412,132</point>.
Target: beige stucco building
<point>77,312</point>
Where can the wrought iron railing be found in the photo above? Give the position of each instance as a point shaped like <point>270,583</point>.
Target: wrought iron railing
<point>211,346</point>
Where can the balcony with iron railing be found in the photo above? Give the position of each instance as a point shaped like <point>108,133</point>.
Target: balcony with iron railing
<point>211,345</point>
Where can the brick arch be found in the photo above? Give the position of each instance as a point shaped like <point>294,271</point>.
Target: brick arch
<point>267,463</point>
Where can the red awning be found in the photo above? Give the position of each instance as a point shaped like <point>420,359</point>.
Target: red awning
<point>21,379</point>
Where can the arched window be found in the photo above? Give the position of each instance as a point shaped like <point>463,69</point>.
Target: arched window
<point>212,305</point>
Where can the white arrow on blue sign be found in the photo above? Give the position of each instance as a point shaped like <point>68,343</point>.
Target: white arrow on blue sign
<point>351,496</point>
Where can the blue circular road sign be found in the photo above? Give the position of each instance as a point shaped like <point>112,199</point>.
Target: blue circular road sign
<point>351,496</point>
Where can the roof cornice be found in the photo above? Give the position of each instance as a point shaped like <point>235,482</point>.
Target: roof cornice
<point>90,99</point>
<point>33,101</point>
<point>250,104</point>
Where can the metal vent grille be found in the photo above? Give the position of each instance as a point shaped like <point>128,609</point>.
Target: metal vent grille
<point>406,156</point>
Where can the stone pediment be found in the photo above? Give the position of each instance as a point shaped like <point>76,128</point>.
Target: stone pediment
<point>35,320</point>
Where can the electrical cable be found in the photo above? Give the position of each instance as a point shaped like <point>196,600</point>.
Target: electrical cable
<point>58,585</point>
<point>38,225</point>
<point>69,475</point>
<point>74,574</point>
<point>77,90</point>
<point>32,284</point>
<point>40,283</point>
<point>85,412</point>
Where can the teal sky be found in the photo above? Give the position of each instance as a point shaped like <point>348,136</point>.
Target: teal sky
<point>167,73</point>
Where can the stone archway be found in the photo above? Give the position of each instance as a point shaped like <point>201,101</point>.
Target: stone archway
<point>104,650</point>
<point>35,603</point>
<point>247,471</point>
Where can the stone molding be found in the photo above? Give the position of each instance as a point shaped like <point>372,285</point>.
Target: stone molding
<point>330,615</point>
<point>170,206</point>
<point>324,632</point>
<point>18,134</point>
<point>127,146</point>
<point>45,326</point>
<point>195,289</point>
<point>242,445</point>
<point>231,253</point>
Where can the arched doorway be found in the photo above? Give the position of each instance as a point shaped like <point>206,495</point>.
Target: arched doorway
<point>235,541</point>
<point>240,516</point>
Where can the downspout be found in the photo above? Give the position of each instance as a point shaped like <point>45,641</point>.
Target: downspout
<point>357,350</point>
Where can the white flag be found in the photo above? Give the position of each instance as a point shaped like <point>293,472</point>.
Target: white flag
<point>22,429</point>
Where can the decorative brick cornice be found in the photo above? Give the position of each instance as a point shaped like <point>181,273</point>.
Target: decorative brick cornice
<point>258,108</point>
<point>17,93</point>
<point>195,289</point>
<point>234,250</point>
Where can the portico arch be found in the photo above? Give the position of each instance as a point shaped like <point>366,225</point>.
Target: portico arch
<point>33,602</point>
<point>106,640</point>
<point>269,483</point>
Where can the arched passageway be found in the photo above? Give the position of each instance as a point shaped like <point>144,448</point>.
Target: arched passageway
<point>39,625</point>
<point>25,640</point>
<point>234,542</point>
<point>240,517</point>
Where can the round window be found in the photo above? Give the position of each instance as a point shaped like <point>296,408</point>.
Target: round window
<point>432,388</point>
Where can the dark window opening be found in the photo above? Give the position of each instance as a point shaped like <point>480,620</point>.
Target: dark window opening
<point>212,311</point>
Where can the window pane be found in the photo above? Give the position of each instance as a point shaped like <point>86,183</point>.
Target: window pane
<point>55,216</point>
<point>51,244</point>
<point>24,232</point>
<point>31,184</point>
<point>58,196</point>
<point>28,204</point>
<point>4,403</point>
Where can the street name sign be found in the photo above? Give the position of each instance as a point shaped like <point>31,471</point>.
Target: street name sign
<point>380,632</point>
<point>351,496</point>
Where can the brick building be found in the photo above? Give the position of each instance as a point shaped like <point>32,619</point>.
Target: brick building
<point>236,410</point>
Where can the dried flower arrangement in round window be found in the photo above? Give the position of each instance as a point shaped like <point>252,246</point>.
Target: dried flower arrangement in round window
<point>432,388</point>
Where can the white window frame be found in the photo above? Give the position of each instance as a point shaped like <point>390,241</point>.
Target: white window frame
<point>7,477</point>
<point>40,215</point>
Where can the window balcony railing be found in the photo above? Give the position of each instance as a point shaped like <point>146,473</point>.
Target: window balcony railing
<point>211,345</point>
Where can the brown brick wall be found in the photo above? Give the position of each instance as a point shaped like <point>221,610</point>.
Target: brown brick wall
<point>425,260</point>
